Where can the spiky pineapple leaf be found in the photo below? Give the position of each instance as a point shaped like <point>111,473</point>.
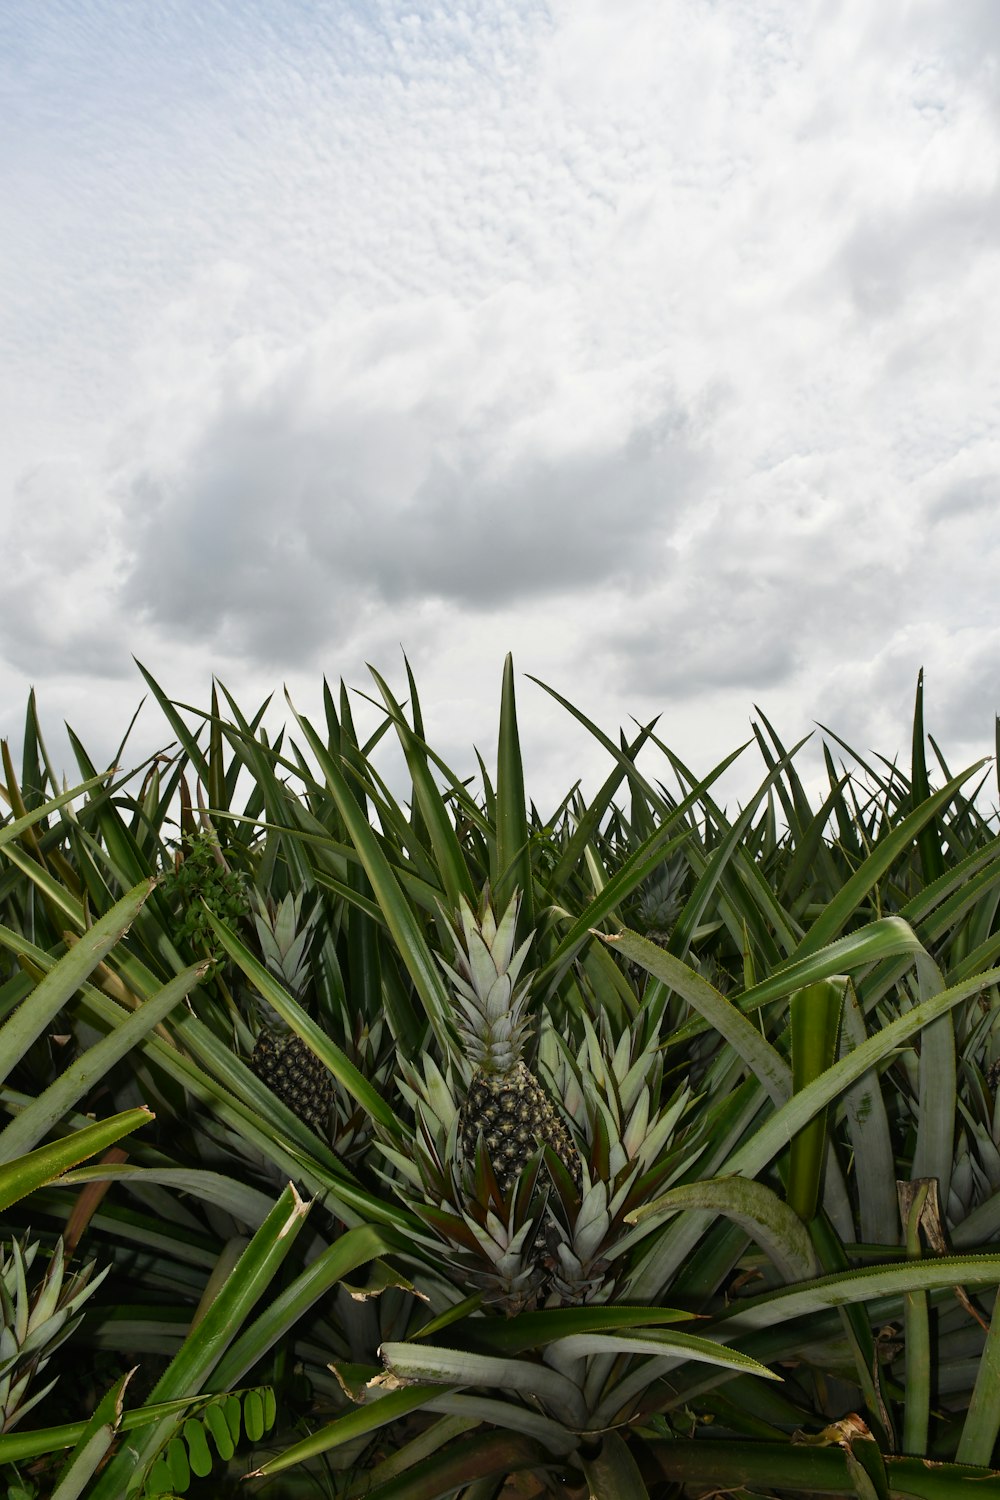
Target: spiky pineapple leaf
<point>208,1340</point>
<point>25,1173</point>
<point>534,1330</point>
<point>65,977</point>
<point>513,849</point>
<point>398,914</point>
<point>52,1103</point>
<point>448,855</point>
<point>613,1473</point>
<point>773,1224</point>
<point>840,1289</point>
<point>460,1367</point>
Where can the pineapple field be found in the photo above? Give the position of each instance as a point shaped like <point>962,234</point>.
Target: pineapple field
<point>358,1142</point>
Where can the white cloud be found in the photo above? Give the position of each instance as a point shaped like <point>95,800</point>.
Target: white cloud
<point>417,453</point>
<point>654,343</point>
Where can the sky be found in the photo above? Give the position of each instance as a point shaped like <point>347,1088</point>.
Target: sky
<point>653,342</point>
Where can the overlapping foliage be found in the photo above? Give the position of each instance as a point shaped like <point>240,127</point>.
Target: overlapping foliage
<point>773,1038</point>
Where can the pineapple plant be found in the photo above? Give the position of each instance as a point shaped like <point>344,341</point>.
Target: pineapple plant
<point>659,902</point>
<point>474,1171</point>
<point>524,1231</point>
<point>33,1325</point>
<point>280,1058</point>
<point>505,1104</point>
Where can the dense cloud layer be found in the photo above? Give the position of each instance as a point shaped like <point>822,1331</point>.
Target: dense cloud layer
<point>653,343</point>
<point>405,457</point>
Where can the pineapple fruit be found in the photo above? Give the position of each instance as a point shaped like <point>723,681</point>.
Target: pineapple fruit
<point>505,1104</point>
<point>524,1236</point>
<point>280,1058</point>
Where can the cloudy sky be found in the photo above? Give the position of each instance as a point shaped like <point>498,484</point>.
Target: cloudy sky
<point>654,341</point>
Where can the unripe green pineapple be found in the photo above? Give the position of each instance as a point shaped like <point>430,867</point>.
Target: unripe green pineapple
<point>505,1103</point>
<point>280,1058</point>
<point>656,911</point>
<point>659,902</point>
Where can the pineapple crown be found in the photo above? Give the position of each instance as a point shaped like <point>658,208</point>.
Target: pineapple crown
<point>490,997</point>
<point>285,938</point>
<point>659,899</point>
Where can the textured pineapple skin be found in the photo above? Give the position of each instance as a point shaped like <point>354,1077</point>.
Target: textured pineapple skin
<point>515,1116</point>
<point>296,1075</point>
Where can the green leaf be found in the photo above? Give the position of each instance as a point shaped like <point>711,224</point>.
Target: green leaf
<point>801,1469</point>
<point>513,852</point>
<point>867,1469</point>
<point>533,1330</point>
<point>176,1456</point>
<point>775,1227</point>
<point>850,1287</point>
<point>51,993</point>
<point>694,909</point>
<point>214,1418</point>
<point>448,859</point>
<point>239,1199</point>
<point>13,830</point>
<point>199,1453</point>
<point>630,874</point>
<point>614,1473</point>
<point>589,820</point>
<point>81,1076</point>
<point>233,1412</point>
<point>198,1356</point>
<point>661,1344</point>
<point>982,1420</point>
<point>646,1282</point>
<point>424,1362</point>
<point>356,1247</point>
<point>159,1480</point>
<point>815,1023</point>
<point>848,898</point>
<point>933,1153</point>
<point>15,1447</point>
<point>720,1013</point>
<point>916,1334</point>
<point>399,917</point>
<point>479,1409</point>
<point>870,1136</point>
<point>93,1443</point>
<point>484,1456</point>
<point>376,1413</point>
<point>253,1416</point>
<point>928,842</point>
<point>823,1090</point>
<point>22,1176</point>
<point>184,736</point>
<point>889,937</point>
